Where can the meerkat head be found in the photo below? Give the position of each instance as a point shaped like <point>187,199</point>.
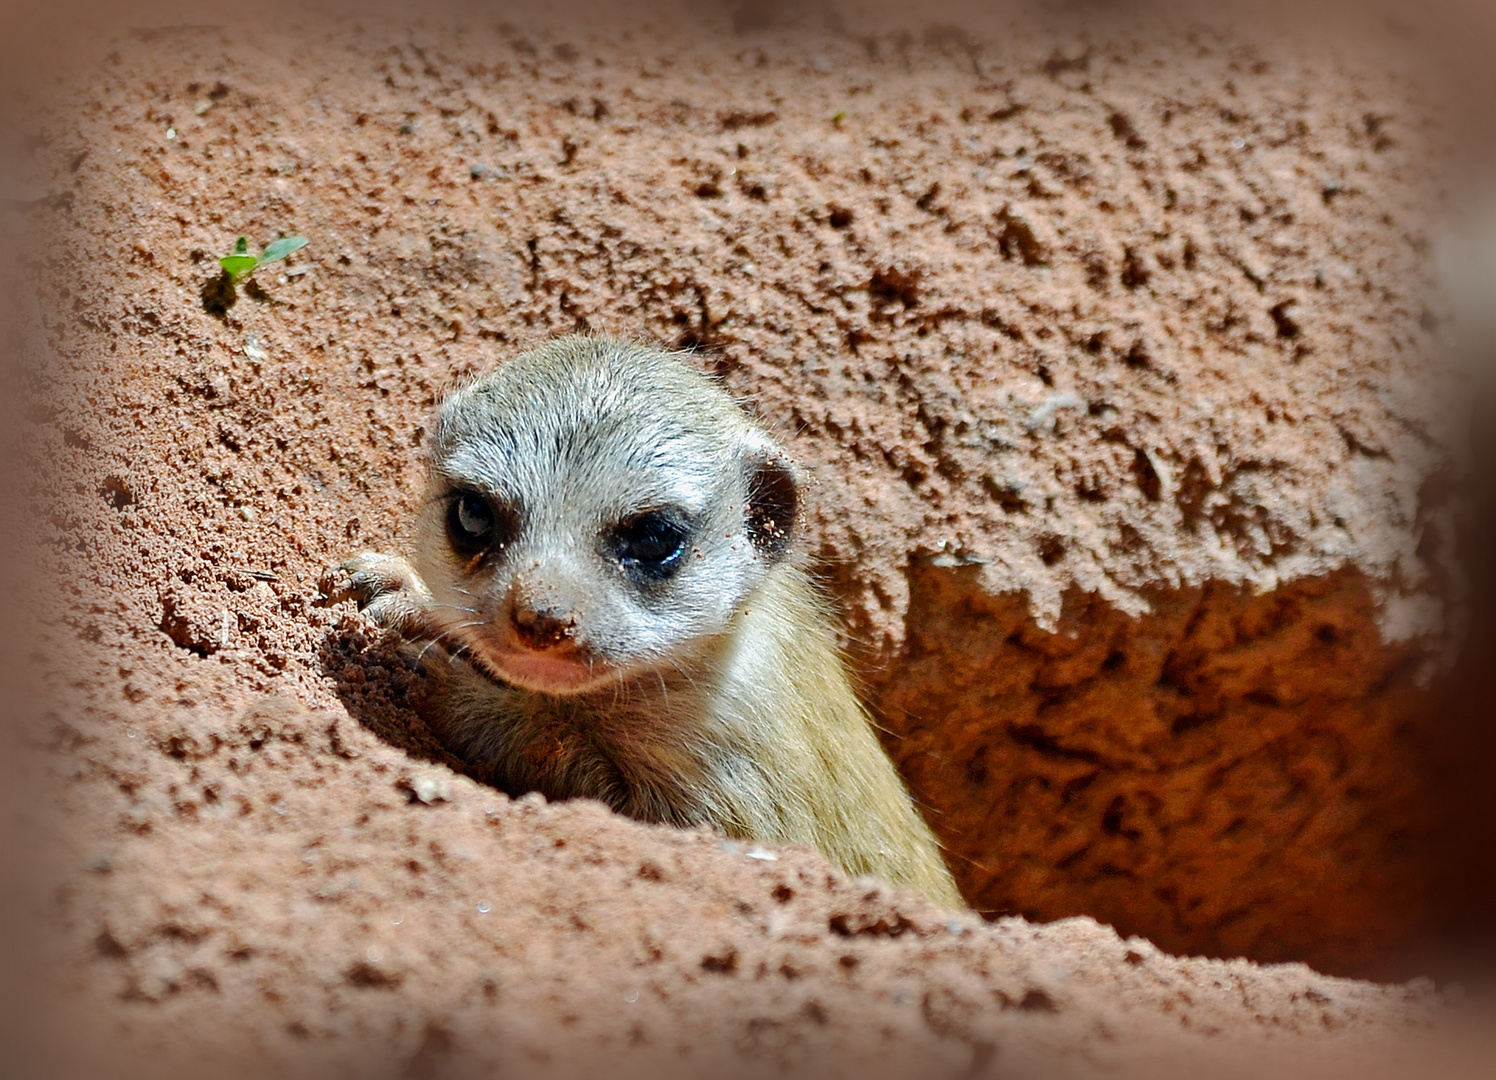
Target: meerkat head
<point>597,511</point>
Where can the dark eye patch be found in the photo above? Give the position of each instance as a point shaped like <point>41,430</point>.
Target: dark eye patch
<point>475,525</point>
<point>650,543</point>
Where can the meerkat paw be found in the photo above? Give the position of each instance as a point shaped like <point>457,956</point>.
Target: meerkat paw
<point>386,588</point>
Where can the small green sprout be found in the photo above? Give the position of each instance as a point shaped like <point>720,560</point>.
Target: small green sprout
<point>239,263</point>
<point>840,117</point>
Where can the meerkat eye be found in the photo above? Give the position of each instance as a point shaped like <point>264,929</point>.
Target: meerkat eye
<point>651,542</point>
<point>471,523</point>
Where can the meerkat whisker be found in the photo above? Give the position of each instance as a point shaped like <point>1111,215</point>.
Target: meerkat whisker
<point>445,634</point>
<point>421,656</point>
<point>431,644</point>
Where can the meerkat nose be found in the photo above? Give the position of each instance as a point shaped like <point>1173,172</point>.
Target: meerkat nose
<point>543,628</point>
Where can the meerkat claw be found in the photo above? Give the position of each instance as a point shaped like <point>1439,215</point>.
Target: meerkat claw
<point>384,587</point>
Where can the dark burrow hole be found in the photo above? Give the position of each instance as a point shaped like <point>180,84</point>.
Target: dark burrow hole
<point>117,493</point>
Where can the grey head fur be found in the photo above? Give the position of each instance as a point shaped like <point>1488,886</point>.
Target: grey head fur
<point>597,511</point>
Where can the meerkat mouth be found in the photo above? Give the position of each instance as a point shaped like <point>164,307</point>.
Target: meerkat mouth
<point>561,672</point>
<point>549,672</point>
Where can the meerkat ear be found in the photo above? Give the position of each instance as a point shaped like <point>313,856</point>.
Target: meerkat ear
<point>773,498</point>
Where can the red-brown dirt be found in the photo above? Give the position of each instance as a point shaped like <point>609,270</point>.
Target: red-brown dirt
<point>1107,347</point>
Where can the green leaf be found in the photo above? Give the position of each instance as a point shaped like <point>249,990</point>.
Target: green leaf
<point>279,249</point>
<point>241,246</point>
<point>236,266</point>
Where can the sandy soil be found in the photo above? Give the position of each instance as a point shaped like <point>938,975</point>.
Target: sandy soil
<point>1105,346</point>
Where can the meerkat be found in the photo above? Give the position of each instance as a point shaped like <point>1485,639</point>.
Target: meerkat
<point>610,601</point>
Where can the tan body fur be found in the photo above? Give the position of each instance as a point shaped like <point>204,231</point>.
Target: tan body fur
<point>766,741</point>
<point>707,689</point>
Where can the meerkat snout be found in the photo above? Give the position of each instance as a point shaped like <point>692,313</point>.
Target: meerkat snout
<point>611,606</point>
<point>540,620</point>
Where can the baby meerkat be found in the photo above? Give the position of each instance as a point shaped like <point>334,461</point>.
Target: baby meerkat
<point>606,583</point>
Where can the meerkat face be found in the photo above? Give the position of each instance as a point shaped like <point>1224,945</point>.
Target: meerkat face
<point>597,511</point>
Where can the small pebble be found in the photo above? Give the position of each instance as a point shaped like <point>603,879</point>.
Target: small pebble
<point>430,788</point>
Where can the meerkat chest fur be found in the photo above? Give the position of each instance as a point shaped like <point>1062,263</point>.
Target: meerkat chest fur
<point>606,584</point>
